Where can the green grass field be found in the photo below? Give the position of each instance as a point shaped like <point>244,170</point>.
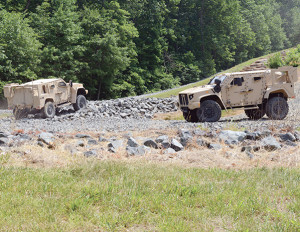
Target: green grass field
<point>116,196</point>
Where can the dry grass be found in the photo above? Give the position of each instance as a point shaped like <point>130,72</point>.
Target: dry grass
<point>193,155</point>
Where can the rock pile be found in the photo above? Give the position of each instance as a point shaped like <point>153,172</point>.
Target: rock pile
<point>123,108</point>
<point>247,142</point>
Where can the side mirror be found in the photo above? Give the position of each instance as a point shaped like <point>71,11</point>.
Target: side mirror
<point>217,87</point>
<point>217,82</point>
<point>71,83</point>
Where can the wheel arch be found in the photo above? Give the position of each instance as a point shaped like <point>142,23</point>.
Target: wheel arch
<point>277,93</point>
<point>214,98</point>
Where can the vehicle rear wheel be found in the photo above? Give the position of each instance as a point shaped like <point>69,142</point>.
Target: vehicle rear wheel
<point>190,116</point>
<point>49,110</point>
<point>277,108</point>
<point>209,111</point>
<point>80,103</point>
<point>20,113</point>
<point>256,114</point>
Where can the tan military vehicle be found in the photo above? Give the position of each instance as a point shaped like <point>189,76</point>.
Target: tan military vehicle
<point>257,92</point>
<point>44,96</point>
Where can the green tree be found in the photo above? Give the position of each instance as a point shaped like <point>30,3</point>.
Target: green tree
<point>109,48</point>
<point>19,49</point>
<point>57,23</point>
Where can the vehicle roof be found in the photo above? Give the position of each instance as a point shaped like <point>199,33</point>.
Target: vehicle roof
<point>40,81</point>
<point>248,72</point>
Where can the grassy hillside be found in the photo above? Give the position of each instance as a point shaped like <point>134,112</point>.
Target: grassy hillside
<point>113,196</point>
<point>236,68</point>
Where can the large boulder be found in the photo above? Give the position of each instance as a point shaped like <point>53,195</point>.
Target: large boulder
<point>115,145</point>
<point>232,137</point>
<point>177,146</point>
<point>137,151</point>
<point>270,143</point>
<point>287,137</point>
<point>47,138</point>
<point>132,142</point>
<point>150,143</point>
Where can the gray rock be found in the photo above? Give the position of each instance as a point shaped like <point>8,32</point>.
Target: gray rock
<point>185,138</point>
<point>115,144</point>
<point>265,133</point>
<point>47,138</point>
<point>270,143</point>
<point>3,135</point>
<point>102,139</point>
<point>40,143</point>
<point>249,154</point>
<point>232,137</point>
<point>177,146</point>
<point>215,146</point>
<point>137,151</point>
<point>82,136</point>
<point>112,150</point>
<point>150,143</point>
<point>253,135</point>
<point>24,137</point>
<point>165,144</point>
<point>92,142</point>
<point>297,135</point>
<point>3,141</point>
<point>170,151</point>
<point>184,132</point>
<point>291,144</point>
<point>202,143</point>
<point>80,143</point>
<point>199,132</point>
<point>287,137</point>
<point>91,153</point>
<point>132,142</point>
<point>162,138</point>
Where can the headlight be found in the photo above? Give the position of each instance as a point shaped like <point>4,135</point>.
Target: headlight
<point>191,96</point>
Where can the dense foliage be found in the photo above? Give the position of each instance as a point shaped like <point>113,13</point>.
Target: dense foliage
<point>127,47</point>
<point>292,58</point>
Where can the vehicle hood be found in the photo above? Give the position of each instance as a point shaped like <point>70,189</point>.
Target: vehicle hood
<point>197,89</point>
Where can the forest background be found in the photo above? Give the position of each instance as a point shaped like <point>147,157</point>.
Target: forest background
<point>129,47</point>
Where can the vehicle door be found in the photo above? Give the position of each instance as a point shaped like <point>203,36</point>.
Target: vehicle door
<point>254,90</point>
<point>233,91</point>
<point>62,93</point>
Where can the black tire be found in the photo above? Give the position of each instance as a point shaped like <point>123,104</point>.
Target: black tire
<point>209,111</point>
<point>255,114</point>
<point>277,108</point>
<point>80,103</point>
<point>190,116</point>
<point>49,110</point>
<point>20,113</point>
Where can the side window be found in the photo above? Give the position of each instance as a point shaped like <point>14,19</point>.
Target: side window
<point>238,81</point>
<point>62,84</point>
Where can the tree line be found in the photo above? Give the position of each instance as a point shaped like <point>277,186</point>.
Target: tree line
<point>119,48</point>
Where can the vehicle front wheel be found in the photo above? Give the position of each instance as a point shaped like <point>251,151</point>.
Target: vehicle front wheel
<point>49,110</point>
<point>209,111</point>
<point>80,103</point>
<point>190,116</point>
<point>277,108</point>
<point>255,114</point>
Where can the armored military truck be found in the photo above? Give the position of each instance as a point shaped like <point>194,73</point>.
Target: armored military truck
<point>44,96</point>
<point>257,92</point>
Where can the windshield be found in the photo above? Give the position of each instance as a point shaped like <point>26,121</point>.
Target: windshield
<point>221,78</point>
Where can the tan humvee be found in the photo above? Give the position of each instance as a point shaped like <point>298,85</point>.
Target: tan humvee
<point>45,96</point>
<point>257,92</point>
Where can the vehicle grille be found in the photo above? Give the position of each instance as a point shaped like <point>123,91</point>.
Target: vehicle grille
<point>183,99</point>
